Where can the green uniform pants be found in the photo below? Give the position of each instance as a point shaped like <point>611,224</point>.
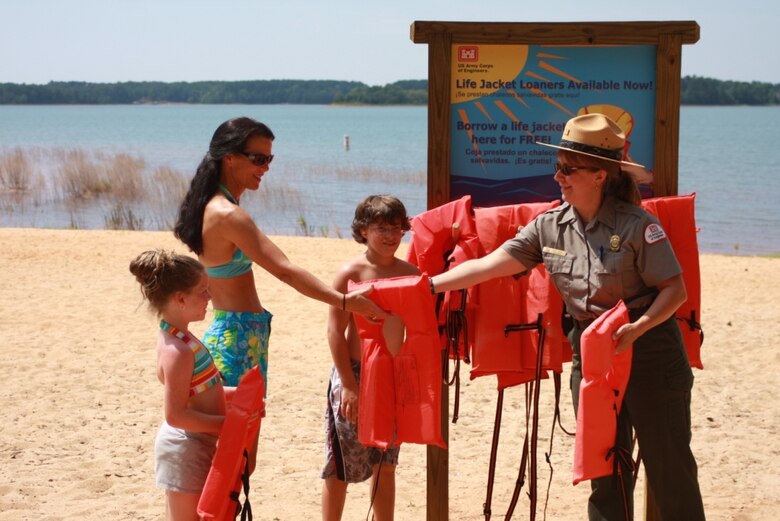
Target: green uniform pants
<point>657,405</point>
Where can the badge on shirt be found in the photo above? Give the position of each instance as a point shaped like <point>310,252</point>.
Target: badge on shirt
<point>654,233</point>
<point>614,243</point>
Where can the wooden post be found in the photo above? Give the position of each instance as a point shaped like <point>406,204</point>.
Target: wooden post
<point>667,143</point>
<point>438,486</point>
<point>667,123</point>
<point>437,490</point>
<point>439,60</point>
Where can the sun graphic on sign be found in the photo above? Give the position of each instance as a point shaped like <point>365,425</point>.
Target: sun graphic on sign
<point>480,70</point>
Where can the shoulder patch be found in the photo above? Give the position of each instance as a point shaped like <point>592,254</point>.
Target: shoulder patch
<point>654,233</point>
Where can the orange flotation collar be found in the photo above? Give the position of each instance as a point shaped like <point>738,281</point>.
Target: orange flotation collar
<point>676,215</point>
<point>400,396</point>
<point>605,377</point>
<point>229,468</point>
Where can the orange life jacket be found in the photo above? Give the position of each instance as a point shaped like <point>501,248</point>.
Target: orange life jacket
<point>442,238</point>
<point>676,215</point>
<point>502,346</point>
<point>433,240</point>
<point>605,376</point>
<point>400,396</point>
<point>229,470</point>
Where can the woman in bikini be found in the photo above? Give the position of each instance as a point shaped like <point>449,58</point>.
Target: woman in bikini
<point>227,241</point>
<point>176,287</point>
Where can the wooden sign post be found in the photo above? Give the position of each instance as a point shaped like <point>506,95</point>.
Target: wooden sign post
<point>546,83</point>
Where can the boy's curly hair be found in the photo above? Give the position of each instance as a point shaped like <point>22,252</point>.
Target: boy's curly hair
<point>379,209</point>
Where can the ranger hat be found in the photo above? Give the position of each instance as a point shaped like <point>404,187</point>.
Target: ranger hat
<point>594,135</point>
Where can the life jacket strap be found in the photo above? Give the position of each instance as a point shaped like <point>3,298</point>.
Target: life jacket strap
<point>529,454</point>
<point>693,325</point>
<point>486,506</point>
<point>246,510</point>
<point>456,328</point>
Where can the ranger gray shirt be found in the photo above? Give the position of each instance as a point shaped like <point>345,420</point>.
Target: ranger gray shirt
<point>623,253</point>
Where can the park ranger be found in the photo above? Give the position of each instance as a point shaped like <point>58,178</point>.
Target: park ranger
<point>601,247</point>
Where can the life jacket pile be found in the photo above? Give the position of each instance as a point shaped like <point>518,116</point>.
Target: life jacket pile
<point>493,308</point>
<point>450,234</point>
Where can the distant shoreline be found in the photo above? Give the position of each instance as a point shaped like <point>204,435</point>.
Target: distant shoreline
<point>694,90</point>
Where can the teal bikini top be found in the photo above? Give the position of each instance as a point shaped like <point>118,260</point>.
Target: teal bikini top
<point>239,264</point>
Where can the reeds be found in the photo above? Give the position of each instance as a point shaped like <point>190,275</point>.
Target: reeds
<point>16,172</point>
<point>123,218</point>
<point>81,177</point>
<point>75,181</point>
<point>80,185</point>
<point>378,174</point>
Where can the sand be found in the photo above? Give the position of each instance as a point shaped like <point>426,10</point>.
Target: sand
<point>82,404</point>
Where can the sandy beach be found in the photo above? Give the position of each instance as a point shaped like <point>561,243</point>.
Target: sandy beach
<point>82,403</point>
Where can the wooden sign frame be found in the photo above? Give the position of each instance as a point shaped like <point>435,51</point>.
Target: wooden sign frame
<point>668,37</point>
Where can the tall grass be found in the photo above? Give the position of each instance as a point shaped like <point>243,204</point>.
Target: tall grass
<point>378,174</point>
<point>126,177</point>
<point>17,173</point>
<point>81,177</point>
<point>123,218</point>
<point>164,190</point>
<point>131,197</point>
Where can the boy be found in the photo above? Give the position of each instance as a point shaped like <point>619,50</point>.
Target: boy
<point>380,222</point>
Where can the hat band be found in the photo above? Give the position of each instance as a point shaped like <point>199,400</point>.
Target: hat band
<point>616,155</point>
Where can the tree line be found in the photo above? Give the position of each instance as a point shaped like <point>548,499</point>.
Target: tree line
<point>302,92</point>
<point>695,90</point>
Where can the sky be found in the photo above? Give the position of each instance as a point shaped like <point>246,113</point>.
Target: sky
<point>108,41</point>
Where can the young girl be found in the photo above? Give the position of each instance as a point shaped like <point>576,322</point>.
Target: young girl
<point>176,287</point>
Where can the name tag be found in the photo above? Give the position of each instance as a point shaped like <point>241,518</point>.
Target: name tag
<point>553,251</point>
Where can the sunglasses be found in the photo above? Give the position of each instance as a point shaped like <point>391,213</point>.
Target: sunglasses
<point>388,231</point>
<point>258,159</point>
<point>567,170</point>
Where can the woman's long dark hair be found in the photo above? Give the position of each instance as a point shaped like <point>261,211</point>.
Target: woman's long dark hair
<point>230,137</point>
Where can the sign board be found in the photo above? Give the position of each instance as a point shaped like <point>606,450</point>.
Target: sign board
<point>506,98</point>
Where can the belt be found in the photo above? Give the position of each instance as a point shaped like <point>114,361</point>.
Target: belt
<point>582,325</point>
<point>633,314</point>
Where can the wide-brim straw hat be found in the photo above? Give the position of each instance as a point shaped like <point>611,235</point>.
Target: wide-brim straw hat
<point>594,135</point>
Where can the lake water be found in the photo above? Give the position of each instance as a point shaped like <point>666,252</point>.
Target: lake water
<point>727,156</point>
